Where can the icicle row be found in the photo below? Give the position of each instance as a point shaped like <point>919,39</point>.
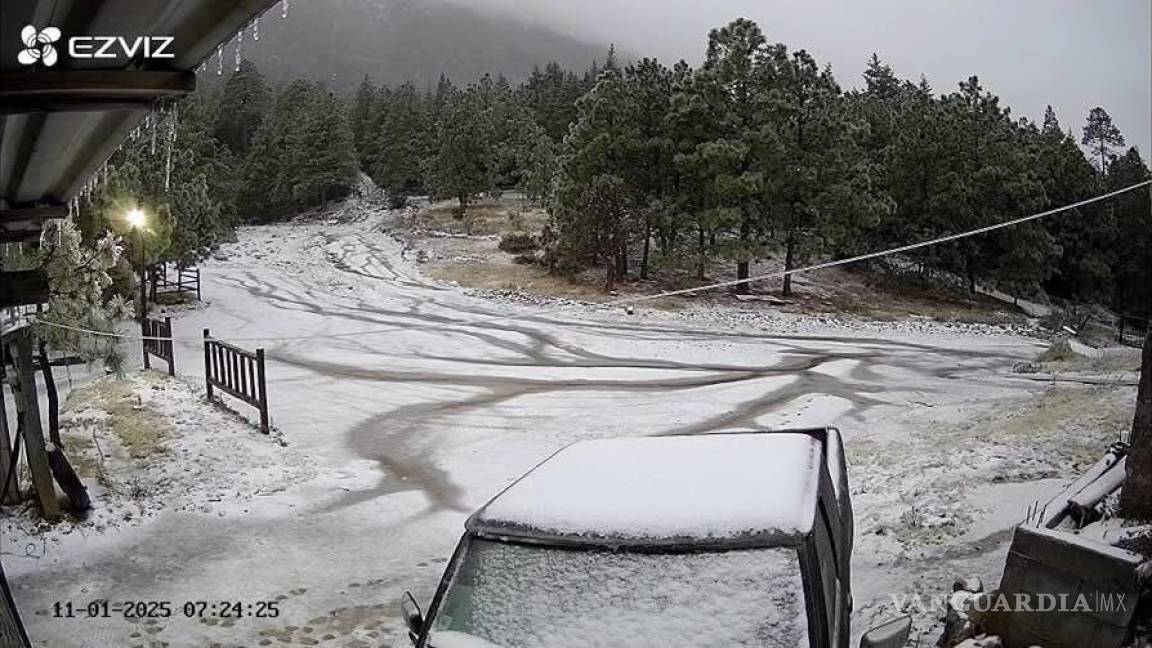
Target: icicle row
<point>220,59</point>
<point>284,8</point>
<point>239,46</point>
<point>256,29</point>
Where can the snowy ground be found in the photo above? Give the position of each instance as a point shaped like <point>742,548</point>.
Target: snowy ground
<point>423,400</point>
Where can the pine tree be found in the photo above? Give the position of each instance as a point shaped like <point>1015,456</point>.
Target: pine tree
<point>735,149</point>
<point>243,105</point>
<point>649,147</point>
<point>462,165</point>
<point>365,105</point>
<point>80,293</point>
<point>823,190</point>
<point>403,137</point>
<point>1101,136</point>
<point>328,170</point>
<point>1130,257</point>
<point>1086,235</point>
<point>593,205</point>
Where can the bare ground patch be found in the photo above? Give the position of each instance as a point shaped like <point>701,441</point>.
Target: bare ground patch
<point>466,251</point>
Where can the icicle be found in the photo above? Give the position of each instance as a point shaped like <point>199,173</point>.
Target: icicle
<point>171,144</point>
<point>239,46</point>
<point>283,8</point>
<point>152,130</point>
<point>220,59</point>
<point>256,29</point>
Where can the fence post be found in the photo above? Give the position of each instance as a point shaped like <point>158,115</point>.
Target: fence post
<point>207,362</point>
<point>13,492</point>
<point>170,346</point>
<point>1121,338</point>
<point>198,285</point>
<point>263,390</point>
<point>144,342</point>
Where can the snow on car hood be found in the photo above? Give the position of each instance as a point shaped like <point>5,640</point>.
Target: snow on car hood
<point>685,488</point>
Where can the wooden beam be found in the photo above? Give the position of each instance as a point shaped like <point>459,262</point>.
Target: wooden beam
<point>19,236</point>
<point>28,408</point>
<point>37,214</point>
<point>23,288</point>
<point>45,91</point>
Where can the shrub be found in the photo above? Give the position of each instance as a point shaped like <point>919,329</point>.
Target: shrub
<point>519,243</point>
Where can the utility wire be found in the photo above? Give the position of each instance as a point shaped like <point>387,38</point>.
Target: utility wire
<point>625,301</point>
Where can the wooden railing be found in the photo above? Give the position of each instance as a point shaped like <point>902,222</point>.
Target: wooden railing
<point>163,349</point>
<point>238,373</point>
<point>1132,333</point>
<point>181,280</point>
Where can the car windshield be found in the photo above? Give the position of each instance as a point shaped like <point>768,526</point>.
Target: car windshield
<point>526,596</point>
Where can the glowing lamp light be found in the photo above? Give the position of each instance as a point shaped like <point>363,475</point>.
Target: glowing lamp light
<point>136,218</point>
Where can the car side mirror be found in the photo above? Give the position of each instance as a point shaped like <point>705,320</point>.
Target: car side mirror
<point>893,634</point>
<point>413,617</point>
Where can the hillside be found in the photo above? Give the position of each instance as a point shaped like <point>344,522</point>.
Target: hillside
<point>394,41</point>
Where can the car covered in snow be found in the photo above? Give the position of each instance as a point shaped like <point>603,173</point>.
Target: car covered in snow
<point>728,539</point>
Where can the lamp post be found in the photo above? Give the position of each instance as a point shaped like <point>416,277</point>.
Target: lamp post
<point>137,220</point>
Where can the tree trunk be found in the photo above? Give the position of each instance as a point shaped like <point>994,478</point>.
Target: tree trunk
<point>610,273</point>
<point>742,265</point>
<point>970,270</point>
<point>789,262</point>
<point>622,261</point>
<point>647,246</point>
<point>1136,498</point>
<point>700,254</point>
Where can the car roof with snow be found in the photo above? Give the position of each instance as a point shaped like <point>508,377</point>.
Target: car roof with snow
<point>738,489</point>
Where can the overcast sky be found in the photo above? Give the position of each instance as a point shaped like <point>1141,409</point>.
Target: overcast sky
<point>1073,54</point>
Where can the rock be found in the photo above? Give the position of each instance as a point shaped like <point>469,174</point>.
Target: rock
<point>1144,571</point>
<point>960,618</point>
<point>971,584</point>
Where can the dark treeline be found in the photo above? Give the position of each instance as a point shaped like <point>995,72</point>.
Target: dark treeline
<point>757,154</point>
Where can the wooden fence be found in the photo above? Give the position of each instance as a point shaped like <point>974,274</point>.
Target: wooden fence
<point>154,328</point>
<point>174,280</point>
<point>236,372</point>
<point>1132,333</point>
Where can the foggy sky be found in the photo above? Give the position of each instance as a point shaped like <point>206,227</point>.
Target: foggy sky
<point>1072,54</point>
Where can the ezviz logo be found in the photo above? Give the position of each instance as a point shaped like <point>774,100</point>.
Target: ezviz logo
<point>39,45</point>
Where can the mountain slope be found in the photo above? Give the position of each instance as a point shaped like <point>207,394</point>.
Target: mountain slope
<point>393,41</point>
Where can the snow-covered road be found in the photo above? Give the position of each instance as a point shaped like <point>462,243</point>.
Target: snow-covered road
<point>417,402</point>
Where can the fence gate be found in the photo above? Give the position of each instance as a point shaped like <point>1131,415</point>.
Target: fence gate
<point>1132,331</point>
<point>163,349</point>
<point>236,372</point>
<point>178,280</point>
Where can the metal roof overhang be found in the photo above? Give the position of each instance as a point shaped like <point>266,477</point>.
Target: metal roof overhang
<point>59,124</point>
